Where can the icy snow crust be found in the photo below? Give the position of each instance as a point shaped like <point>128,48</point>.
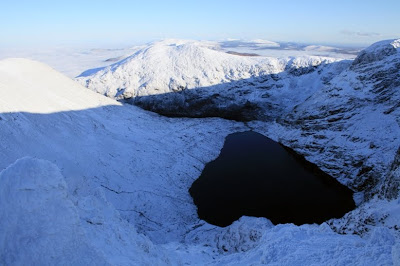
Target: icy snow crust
<point>111,184</point>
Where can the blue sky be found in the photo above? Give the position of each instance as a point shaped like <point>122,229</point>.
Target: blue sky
<point>118,22</point>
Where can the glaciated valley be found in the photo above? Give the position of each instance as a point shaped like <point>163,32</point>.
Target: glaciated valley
<point>85,176</point>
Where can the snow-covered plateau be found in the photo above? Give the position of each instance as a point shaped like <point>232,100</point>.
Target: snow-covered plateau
<point>88,180</point>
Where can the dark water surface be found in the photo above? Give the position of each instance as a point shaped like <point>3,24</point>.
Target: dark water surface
<point>256,176</point>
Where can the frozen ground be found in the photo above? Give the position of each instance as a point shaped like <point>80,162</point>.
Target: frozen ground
<point>109,182</point>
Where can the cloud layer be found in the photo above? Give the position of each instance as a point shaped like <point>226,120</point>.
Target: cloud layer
<point>360,33</point>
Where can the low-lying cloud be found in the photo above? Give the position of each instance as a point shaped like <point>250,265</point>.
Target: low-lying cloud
<point>360,33</point>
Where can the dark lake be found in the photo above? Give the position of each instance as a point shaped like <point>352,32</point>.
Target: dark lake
<point>256,176</point>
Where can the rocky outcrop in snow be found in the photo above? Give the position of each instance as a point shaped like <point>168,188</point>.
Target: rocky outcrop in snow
<point>377,51</point>
<point>391,183</point>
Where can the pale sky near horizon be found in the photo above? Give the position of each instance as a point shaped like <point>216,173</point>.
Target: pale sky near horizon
<point>45,23</point>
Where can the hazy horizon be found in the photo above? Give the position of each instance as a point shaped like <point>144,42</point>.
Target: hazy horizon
<point>122,23</point>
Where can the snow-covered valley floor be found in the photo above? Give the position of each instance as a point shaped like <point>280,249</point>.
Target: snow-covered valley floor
<point>87,180</point>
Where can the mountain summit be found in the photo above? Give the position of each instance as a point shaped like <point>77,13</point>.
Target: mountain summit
<point>176,65</point>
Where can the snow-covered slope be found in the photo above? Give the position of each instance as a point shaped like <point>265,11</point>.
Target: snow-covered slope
<point>22,85</point>
<point>98,144</point>
<point>39,223</point>
<point>101,124</point>
<point>120,177</point>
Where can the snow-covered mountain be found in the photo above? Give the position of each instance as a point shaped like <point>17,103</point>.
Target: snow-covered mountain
<point>176,65</point>
<point>108,182</point>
